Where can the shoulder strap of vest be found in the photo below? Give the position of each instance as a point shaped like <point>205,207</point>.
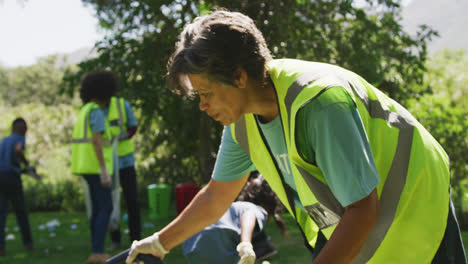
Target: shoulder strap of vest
<point>396,178</point>
<point>88,108</point>
<point>123,132</point>
<point>240,136</point>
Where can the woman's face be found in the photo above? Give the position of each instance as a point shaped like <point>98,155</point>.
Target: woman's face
<point>222,102</point>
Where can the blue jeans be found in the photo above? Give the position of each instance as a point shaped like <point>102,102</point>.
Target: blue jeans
<point>101,203</point>
<point>11,188</point>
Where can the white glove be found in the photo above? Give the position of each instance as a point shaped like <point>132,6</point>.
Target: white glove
<point>246,253</point>
<point>149,245</point>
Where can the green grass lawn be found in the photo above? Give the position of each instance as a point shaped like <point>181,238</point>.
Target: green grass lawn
<point>70,242</point>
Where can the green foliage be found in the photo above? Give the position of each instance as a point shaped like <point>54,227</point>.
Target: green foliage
<point>38,83</point>
<point>48,137</point>
<point>370,42</point>
<point>48,147</point>
<point>141,36</point>
<point>448,124</point>
<point>447,76</point>
<point>445,113</point>
<point>47,195</point>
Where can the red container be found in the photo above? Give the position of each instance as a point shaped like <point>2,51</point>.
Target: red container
<point>184,194</point>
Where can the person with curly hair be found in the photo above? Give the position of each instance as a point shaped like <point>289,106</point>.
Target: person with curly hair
<point>92,155</point>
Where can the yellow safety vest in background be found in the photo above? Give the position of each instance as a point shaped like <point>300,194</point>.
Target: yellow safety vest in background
<point>118,123</point>
<point>84,159</point>
<point>412,166</point>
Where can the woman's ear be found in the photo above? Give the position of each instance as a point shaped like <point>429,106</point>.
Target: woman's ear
<point>241,78</point>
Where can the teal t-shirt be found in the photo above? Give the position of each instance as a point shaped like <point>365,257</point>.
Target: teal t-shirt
<point>97,120</point>
<point>330,134</point>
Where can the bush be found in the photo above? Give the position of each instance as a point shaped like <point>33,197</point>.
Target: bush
<point>448,124</point>
<point>64,195</point>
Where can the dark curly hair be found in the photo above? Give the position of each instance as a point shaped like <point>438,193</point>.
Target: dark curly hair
<point>19,125</point>
<point>98,85</point>
<point>257,191</point>
<point>218,44</point>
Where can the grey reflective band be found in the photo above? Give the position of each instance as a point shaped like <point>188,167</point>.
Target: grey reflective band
<point>396,178</point>
<point>322,216</point>
<point>123,134</point>
<point>85,134</point>
<point>296,87</point>
<point>322,192</point>
<point>81,140</point>
<point>241,134</point>
<point>85,138</point>
<point>89,140</point>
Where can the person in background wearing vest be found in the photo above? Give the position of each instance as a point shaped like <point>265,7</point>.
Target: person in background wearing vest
<point>11,188</point>
<point>92,157</point>
<point>367,174</point>
<point>123,126</point>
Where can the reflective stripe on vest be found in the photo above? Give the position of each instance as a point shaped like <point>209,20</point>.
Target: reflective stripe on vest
<point>118,120</point>
<point>400,145</point>
<point>84,159</point>
<point>307,226</point>
<point>85,138</point>
<point>395,180</point>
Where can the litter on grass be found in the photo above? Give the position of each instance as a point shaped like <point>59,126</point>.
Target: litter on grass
<point>52,224</point>
<point>149,225</point>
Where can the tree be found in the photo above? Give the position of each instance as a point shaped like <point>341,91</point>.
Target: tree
<point>142,34</point>
<point>448,124</point>
<point>38,83</point>
<point>444,113</point>
<point>447,77</point>
<point>48,147</point>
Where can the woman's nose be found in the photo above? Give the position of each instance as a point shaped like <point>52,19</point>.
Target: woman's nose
<point>203,105</point>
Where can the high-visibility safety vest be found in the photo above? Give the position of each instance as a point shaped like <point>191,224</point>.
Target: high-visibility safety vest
<point>412,166</point>
<point>118,123</point>
<point>84,159</point>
